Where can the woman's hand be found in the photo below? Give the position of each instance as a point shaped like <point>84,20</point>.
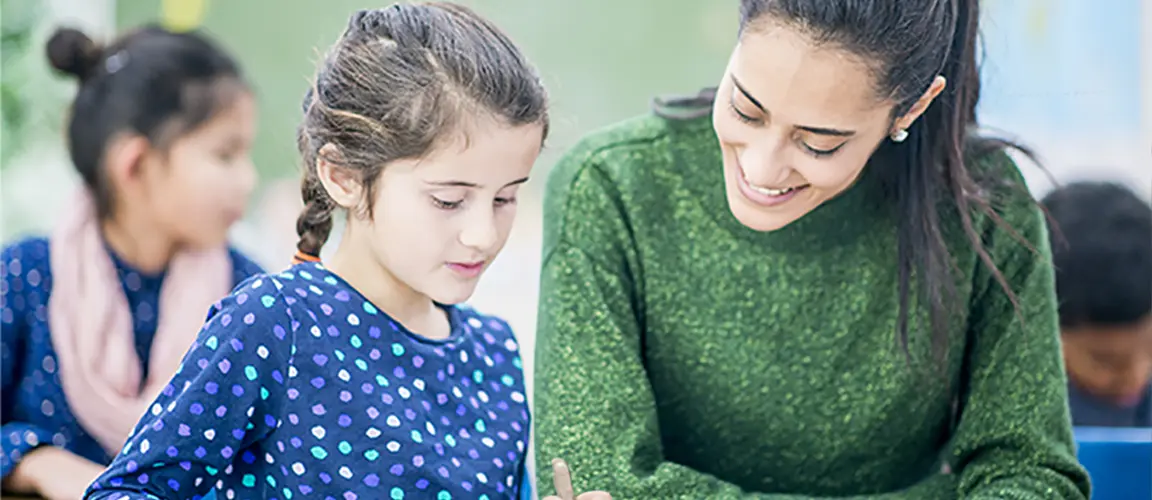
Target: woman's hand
<point>54,474</point>
<point>562,480</point>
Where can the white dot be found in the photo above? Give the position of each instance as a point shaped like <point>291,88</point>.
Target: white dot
<point>145,446</point>
<point>157,409</point>
<point>47,408</point>
<point>346,472</point>
<point>316,331</point>
<point>49,364</point>
<point>268,458</point>
<point>463,356</point>
<point>230,494</point>
<point>475,323</point>
<point>373,433</point>
<point>392,421</point>
<point>291,371</point>
<point>404,392</point>
<point>489,442</point>
<point>353,319</point>
<point>31,439</point>
<point>393,446</point>
<point>482,395</point>
<point>482,477</point>
<point>298,468</point>
<point>510,344</point>
<point>431,429</point>
<point>343,374</point>
<point>262,352</point>
<point>210,434</point>
<point>456,392</point>
<point>318,432</point>
<point>517,397</point>
<point>418,384</point>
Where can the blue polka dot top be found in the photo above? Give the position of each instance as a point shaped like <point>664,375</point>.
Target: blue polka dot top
<point>299,387</point>
<point>34,409</point>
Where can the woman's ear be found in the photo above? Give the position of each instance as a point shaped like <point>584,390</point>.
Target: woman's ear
<point>921,105</point>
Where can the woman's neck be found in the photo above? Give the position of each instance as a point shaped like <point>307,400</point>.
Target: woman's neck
<point>138,243</point>
<point>355,263</point>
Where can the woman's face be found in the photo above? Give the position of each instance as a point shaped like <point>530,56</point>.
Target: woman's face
<point>796,123</point>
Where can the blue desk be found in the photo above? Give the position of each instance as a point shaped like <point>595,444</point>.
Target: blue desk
<point>1119,460</point>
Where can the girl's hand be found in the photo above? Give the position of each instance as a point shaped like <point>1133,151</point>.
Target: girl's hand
<point>562,480</point>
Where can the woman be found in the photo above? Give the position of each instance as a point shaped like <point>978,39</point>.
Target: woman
<point>97,317</point>
<point>823,286</point>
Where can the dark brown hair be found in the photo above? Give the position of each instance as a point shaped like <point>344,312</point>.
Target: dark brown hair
<point>398,82</point>
<point>151,81</point>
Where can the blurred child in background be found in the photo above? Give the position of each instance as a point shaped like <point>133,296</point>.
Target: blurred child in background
<point>1102,250</point>
<point>97,316</point>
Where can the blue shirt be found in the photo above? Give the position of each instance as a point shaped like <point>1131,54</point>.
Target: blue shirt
<point>298,386</point>
<point>34,409</point>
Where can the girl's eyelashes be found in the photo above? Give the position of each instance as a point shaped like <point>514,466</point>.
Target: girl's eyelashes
<point>446,204</point>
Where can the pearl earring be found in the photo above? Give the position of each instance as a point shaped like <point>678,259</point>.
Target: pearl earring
<point>899,135</point>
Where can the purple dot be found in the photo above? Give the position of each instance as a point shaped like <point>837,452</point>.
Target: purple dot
<point>502,435</point>
<point>443,471</point>
<point>444,420</point>
<point>293,393</point>
<point>237,390</point>
<point>279,331</point>
<point>200,452</point>
<point>172,451</point>
<point>344,420</point>
<point>516,427</point>
<point>396,470</point>
<point>489,338</point>
<point>225,319</point>
<point>374,332</point>
<point>467,485</point>
<point>333,331</point>
<point>499,463</point>
<point>318,382</point>
<point>327,309</point>
<point>422,484</point>
<point>418,461</point>
<point>372,480</point>
<point>237,345</point>
<point>440,375</point>
<point>249,319</point>
<point>475,455</point>
<point>305,489</point>
<point>451,369</point>
<point>221,410</point>
<point>465,434</point>
<point>184,430</point>
<point>325,477</point>
<point>366,388</point>
<point>224,365</point>
<point>277,376</point>
<point>343,296</point>
<point>417,361</point>
<point>373,412</point>
<point>143,478</point>
<point>318,409</point>
<point>345,396</point>
<point>294,418</point>
<point>196,409</point>
<point>238,433</point>
<point>427,406</point>
<point>441,398</point>
<point>226,452</point>
<point>320,359</point>
<point>398,372</point>
<point>202,363</point>
<point>409,414</point>
<point>439,449</point>
<point>269,420</point>
<point>374,354</point>
<point>498,358</point>
<point>131,466</point>
<point>386,398</point>
<point>295,442</point>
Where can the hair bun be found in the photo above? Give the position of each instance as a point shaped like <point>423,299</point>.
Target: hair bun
<point>72,52</point>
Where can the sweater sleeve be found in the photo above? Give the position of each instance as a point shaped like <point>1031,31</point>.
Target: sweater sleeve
<point>227,395</point>
<point>1014,438</point>
<point>595,407</point>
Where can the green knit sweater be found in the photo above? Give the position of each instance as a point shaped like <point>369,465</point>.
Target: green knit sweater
<point>683,355</point>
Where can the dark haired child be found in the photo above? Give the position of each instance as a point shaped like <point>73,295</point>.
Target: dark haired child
<point>1102,250</point>
<point>97,317</point>
<point>362,377</point>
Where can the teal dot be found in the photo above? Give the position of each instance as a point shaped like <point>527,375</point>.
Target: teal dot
<point>516,363</point>
<point>480,427</point>
<point>397,493</point>
<point>211,470</point>
<point>450,440</point>
<point>330,280</point>
<point>287,494</point>
<point>397,350</point>
<point>478,376</point>
<point>416,436</point>
<point>339,354</point>
<point>483,497</point>
<point>372,455</point>
<point>444,495</point>
<point>344,447</point>
<point>263,393</point>
<point>319,453</point>
<point>355,341</point>
<point>508,380</point>
<point>267,300</point>
<point>382,381</point>
<point>250,372</point>
<point>306,275</point>
<point>212,342</point>
<point>249,426</point>
<point>249,480</point>
<point>369,308</point>
<point>361,365</point>
<point>271,481</point>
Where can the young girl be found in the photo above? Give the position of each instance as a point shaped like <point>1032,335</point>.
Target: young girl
<point>359,377</point>
<point>97,317</point>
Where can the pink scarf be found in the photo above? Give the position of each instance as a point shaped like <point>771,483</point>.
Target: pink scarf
<point>92,329</point>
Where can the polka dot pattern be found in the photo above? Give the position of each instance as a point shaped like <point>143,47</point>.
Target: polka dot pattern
<point>298,387</point>
<point>35,411</point>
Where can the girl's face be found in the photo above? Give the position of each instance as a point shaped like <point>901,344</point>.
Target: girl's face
<point>199,186</point>
<point>797,123</point>
<point>438,222</point>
